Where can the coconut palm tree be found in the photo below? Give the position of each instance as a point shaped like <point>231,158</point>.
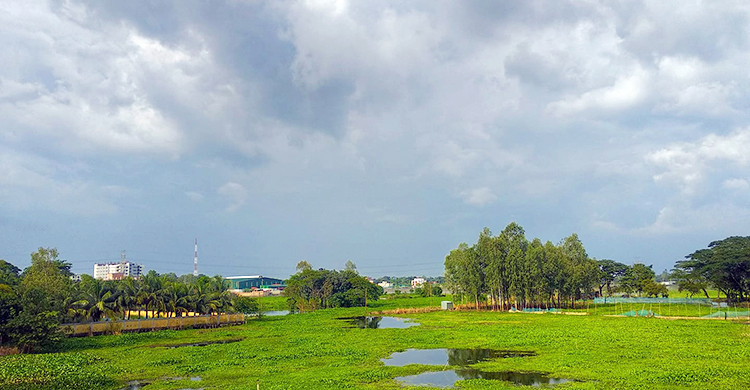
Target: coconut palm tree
<point>99,300</point>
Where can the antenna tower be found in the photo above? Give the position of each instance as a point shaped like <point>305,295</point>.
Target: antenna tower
<point>195,259</point>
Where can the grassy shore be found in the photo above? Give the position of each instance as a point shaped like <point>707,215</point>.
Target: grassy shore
<point>317,351</point>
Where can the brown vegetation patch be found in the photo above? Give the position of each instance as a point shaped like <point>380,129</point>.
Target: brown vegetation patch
<point>8,351</point>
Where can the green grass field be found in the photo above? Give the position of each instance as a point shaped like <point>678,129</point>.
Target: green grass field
<point>317,351</point>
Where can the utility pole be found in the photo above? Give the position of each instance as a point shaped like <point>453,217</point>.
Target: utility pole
<point>195,259</point>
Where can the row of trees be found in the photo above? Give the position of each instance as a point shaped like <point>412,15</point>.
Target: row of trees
<point>512,271</point>
<point>311,289</point>
<point>34,303</point>
<point>724,265</point>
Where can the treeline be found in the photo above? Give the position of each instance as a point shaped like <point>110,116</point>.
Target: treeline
<point>508,270</point>
<point>513,271</point>
<point>725,265</point>
<point>397,281</point>
<point>311,289</point>
<point>34,303</point>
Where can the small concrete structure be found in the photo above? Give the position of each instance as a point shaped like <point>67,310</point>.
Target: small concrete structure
<point>446,305</point>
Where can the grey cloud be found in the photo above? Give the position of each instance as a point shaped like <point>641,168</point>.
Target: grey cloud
<point>304,113</point>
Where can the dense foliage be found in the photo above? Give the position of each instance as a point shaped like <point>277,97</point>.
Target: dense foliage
<point>311,289</point>
<point>512,271</point>
<point>725,264</point>
<point>34,303</point>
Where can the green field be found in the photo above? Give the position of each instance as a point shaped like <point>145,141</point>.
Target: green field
<point>317,351</point>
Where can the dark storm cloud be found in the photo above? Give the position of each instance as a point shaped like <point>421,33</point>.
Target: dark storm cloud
<point>380,131</point>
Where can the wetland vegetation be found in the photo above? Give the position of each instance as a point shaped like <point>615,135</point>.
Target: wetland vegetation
<point>316,350</point>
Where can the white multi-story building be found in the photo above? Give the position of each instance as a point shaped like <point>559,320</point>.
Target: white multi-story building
<point>116,271</point>
<point>418,282</point>
<point>384,284</point>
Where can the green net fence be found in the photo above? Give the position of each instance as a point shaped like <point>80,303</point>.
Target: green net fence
<point>537,310</point>
<point>728,314</point>
<point>640,313</point>
<point>696,301</point>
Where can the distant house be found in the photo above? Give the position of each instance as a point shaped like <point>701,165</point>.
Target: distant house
<point>667,283</point>
<point>418,282</point>
<point>385,284</point>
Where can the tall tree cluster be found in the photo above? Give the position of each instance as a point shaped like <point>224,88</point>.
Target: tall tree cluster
<point>34,303</point>
<point>725,264</point>
<point>311,289</point>
<point>510,270</point>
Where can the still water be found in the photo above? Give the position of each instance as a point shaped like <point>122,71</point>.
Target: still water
<point>451,357</point>
<point>368,322</point>
<point>449,378</point>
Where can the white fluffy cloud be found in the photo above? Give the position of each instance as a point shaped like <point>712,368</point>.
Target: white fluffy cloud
<point>623,117</point>
<point>236,193</point>
<point>478,196</point>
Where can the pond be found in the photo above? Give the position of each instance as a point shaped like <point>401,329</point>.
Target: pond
<point>275,313</point>
<point>449,378</point>
<point>451,357</point>
<point>369,322</point>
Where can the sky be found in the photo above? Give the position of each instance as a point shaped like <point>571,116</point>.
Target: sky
<point>381,132</point>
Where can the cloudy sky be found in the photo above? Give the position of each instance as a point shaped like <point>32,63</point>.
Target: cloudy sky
<point>382,132</point>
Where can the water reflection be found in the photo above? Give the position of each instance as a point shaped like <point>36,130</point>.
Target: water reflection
<point>452,357</point>
<point>449,378</point>
<point>369,322</point>
<point>275,313</point>
<point>134,385</point>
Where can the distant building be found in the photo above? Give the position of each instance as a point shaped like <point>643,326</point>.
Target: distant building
<point>667,283</point>
<point>256,282</point>
<point>385,284</point>
<point>75,277</point>
<point>418,282</point>
<point>117,271</point>
<point>369,279</point>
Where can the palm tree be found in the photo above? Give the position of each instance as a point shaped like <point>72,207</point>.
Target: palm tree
<point>99,301</point>
<point>126,296</point>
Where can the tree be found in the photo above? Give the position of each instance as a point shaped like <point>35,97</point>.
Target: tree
<point>609,271</point>
<point>34,331</point>
<point>691,281</point>
<point>247,305</point>
<point>350,266</point>
<point>653,289</point>
<point>303,265</point>
<point>9,273</point>
<point>46,282</point>
<point>725,264</point>
<point>636,278</point>
<point>51,254</point>
<point>9,306</point>
<point>99,300</point>
<point>310,289</point>
<point>463,272</point>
